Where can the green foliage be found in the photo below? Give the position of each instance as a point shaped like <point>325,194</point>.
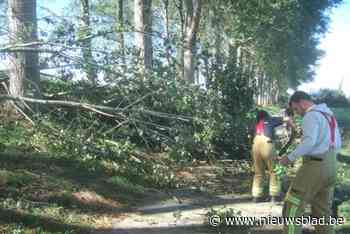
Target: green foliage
<point>159,115</point>
<point>15,179</point>
<point>236,115</point>
<point>220,214</point>
<point>280,170</point>
<point>125,185</point>
<point>160,121</point>
<point>20,229</point>
<point>223,213</point>
<point>333,98</point>
<point>342,191</point>
<point>284,34</point>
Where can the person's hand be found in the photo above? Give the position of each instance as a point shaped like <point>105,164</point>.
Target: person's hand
<point>290,123</point>
<point>284,161</point>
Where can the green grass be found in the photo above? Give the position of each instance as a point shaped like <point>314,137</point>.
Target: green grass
<point>44,194</point>
<point>49,186</point>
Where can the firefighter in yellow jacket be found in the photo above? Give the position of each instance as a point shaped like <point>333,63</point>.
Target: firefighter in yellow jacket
<point>315,180</point>
<point>264,155</point>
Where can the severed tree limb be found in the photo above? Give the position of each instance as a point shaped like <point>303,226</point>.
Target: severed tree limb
<point>11,47</point>
<point>139,100</point>
<point>116,127</point>
<point>17,107</point>
<point>94,108</point>
<point>120,112</point>
<point>22,112</point>
<point>88,107</point>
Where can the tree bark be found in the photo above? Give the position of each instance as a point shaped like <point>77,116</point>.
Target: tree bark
<point>85,32</point>
<point>120,26</point>
<point>180,48</point>
<point>216,23</point>
<point>238,57</point>
<point>277,94</point>
<point>23,68</point>
<point>167,36</point>
<point>143,27</point>
<point>261,85</point>
<point>193,11</point>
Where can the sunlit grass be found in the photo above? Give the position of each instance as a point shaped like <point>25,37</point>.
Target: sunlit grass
<point>43,194</point>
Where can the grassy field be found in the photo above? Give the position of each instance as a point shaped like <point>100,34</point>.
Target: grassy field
<point>59,195</point>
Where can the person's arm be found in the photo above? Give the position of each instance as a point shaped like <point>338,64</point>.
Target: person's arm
<point>311,129</point>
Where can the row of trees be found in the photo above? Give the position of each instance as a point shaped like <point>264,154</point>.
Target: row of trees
<point>273,42</point>
<point>141,63</point>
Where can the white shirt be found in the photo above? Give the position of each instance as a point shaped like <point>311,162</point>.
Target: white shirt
<point>316,134</point>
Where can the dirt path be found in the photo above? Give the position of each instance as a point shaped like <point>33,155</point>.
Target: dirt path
<point>185,211</point>
<point>174,216</point>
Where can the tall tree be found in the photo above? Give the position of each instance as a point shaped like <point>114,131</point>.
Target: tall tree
<point>120,26</point>
<point>84,37</point>
<point>167,30</point>
<point>193,12</point>
<point>181,28</point>
<point>216,23</point>
<point>143,28</point>
<point>24,70</point>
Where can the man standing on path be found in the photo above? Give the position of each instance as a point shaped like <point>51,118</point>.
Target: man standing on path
<point>315,180</point>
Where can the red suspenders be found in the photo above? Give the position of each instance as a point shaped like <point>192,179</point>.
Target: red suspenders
<point>332,125</point>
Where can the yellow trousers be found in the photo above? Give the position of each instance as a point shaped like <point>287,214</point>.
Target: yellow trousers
<point>314,184</point>
<point>263,153</point>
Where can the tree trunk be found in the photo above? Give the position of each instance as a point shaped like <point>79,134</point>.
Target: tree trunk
<point>277,93</point>
<point>85,32</point>
<point>208,77</point>
<point>143,27</point>
<point>256,86</point>
<point>265,89</point>
<point>167,36</point>
<point>253,78</point>
<point>180,49</point>
<point>238,57</point>
<point>193,11</point>
<point>216,23</point>
<point>248,67</point>
<point>24,70</point>
<point>269,91</point>
<point>120,26</point>
<point>261,87</point>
